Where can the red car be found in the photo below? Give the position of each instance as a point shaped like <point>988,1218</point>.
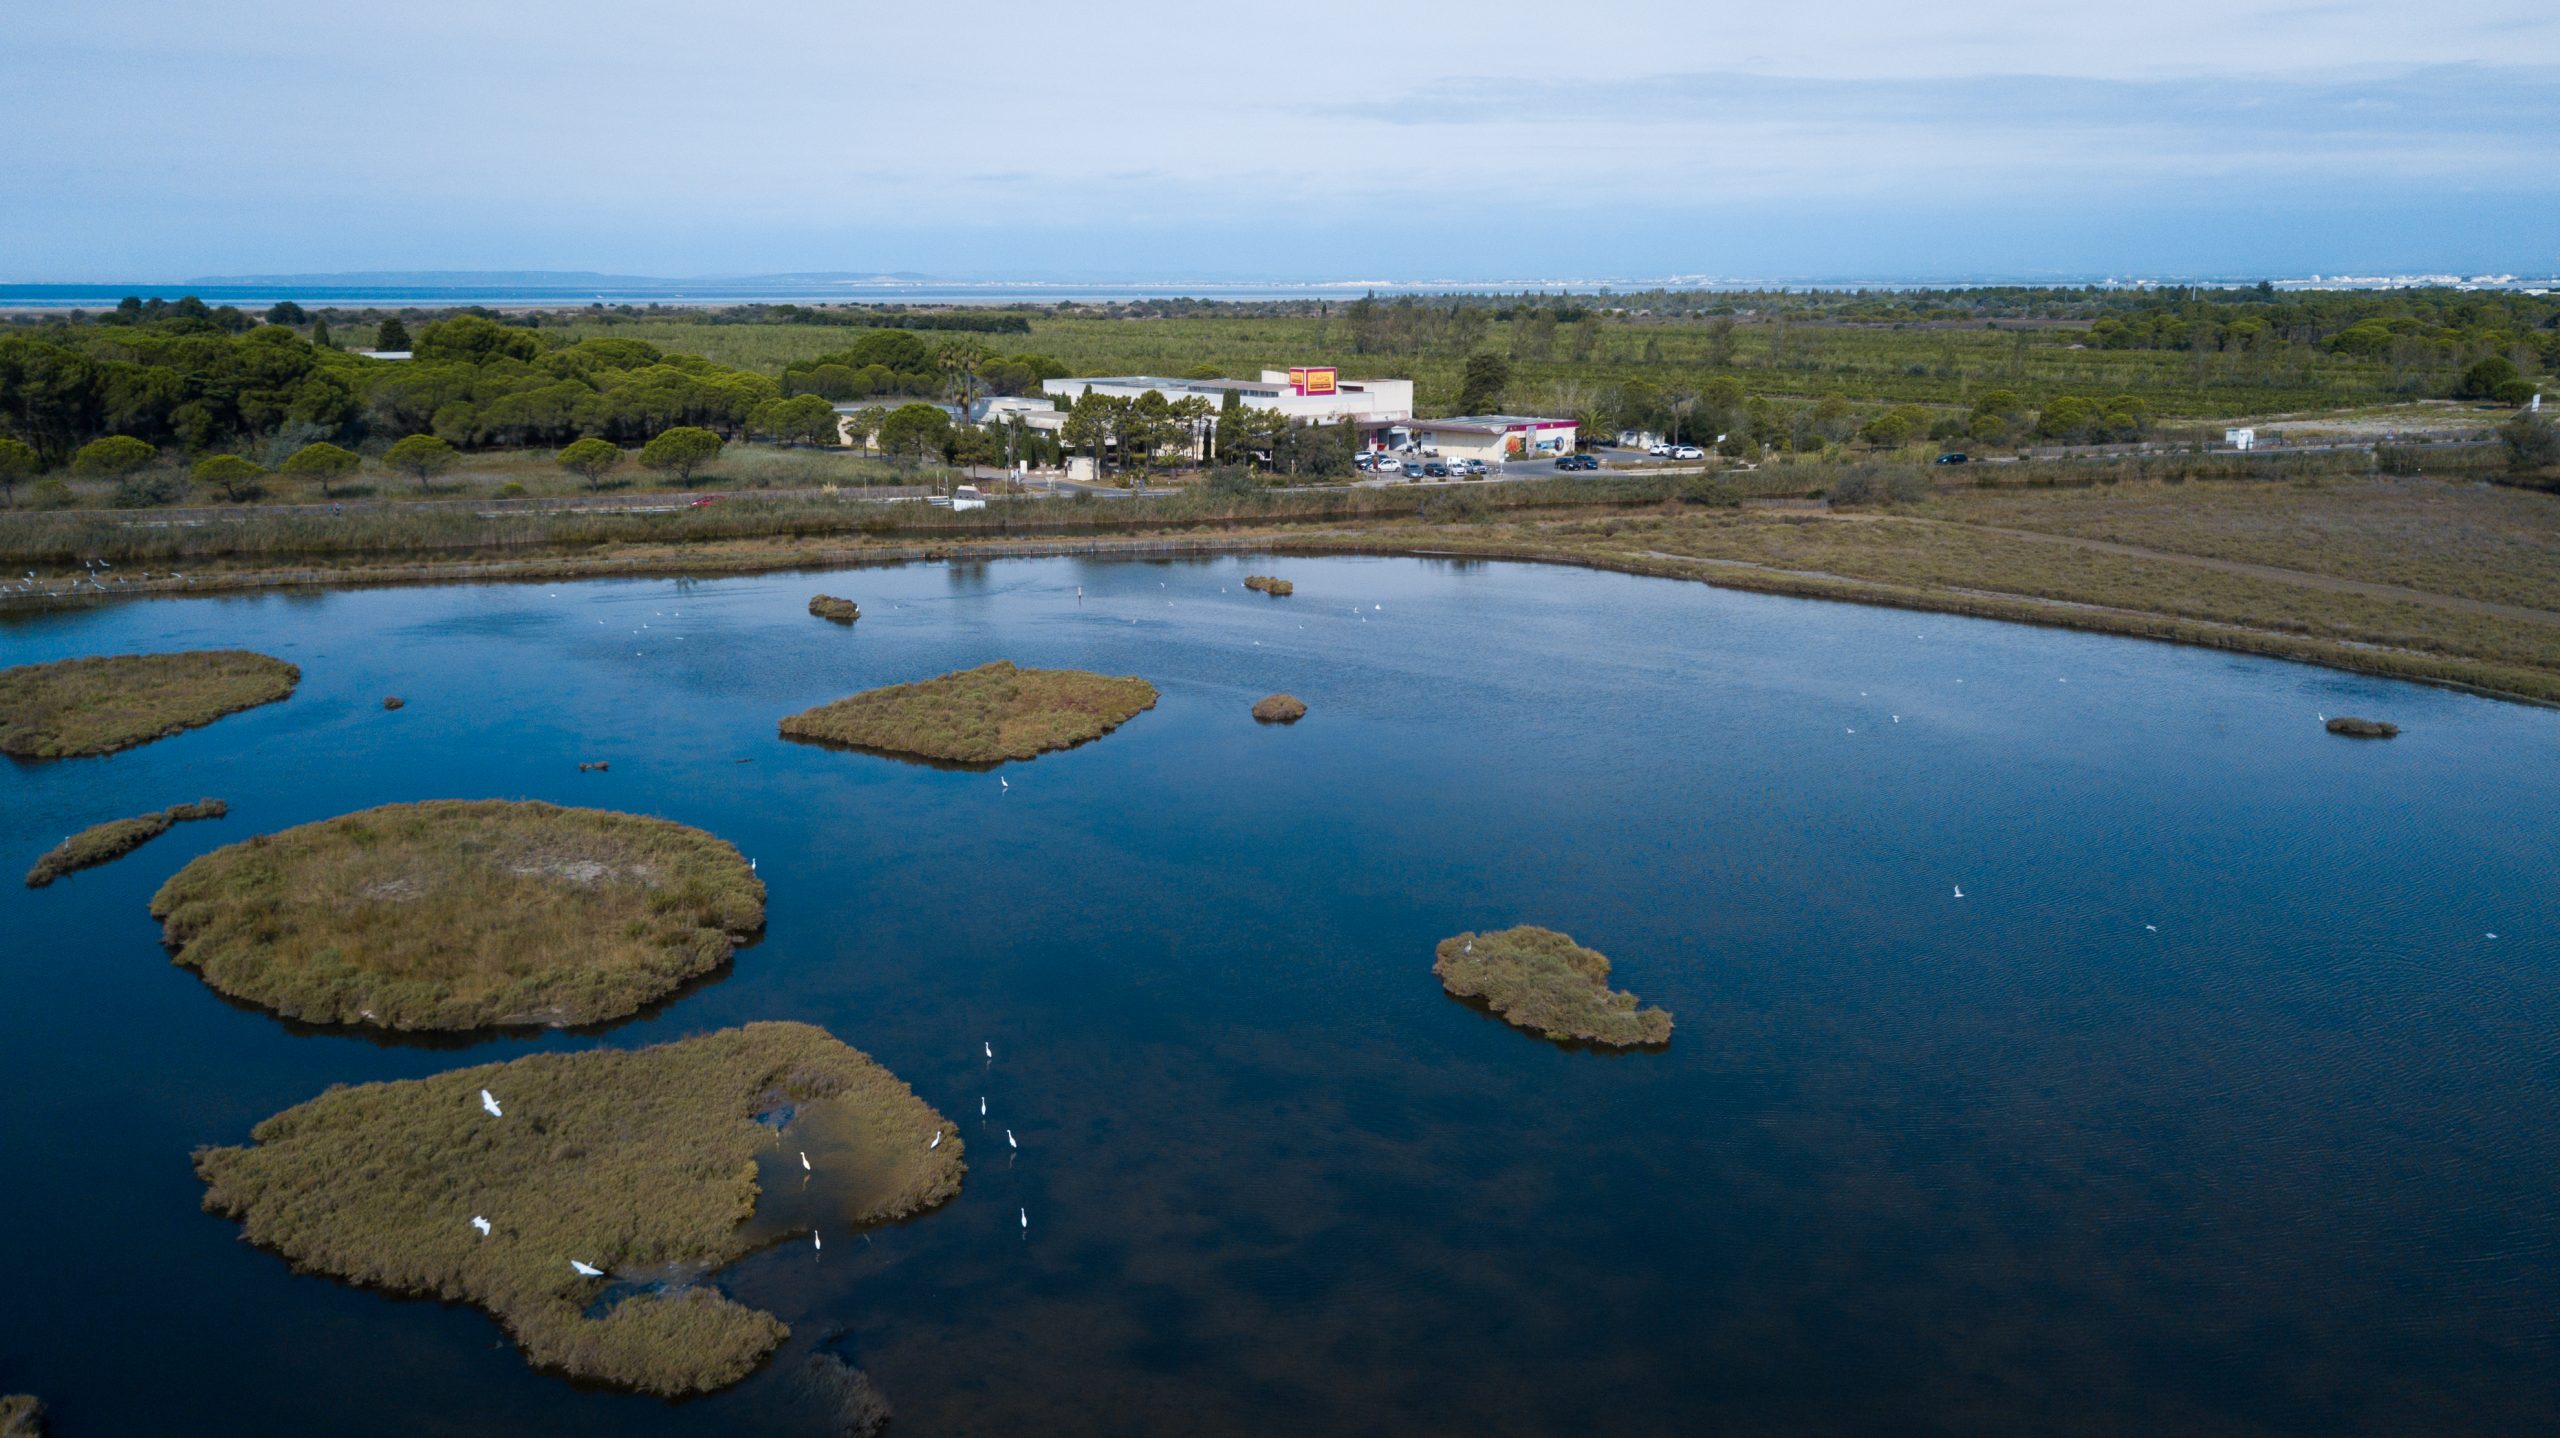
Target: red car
<point>699,503</point>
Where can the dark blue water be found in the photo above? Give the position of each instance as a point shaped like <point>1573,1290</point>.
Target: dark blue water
<point>2010,1164</point>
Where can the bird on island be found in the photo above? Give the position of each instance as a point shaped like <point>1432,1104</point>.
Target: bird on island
<point>804,1162</point>
<point>751,866</point>
<point>481,1224</point>
<point>1471,946</point>
<point>586,1270</point>
<point>491,1104</point>
<point>937,1140</point>
<point>1959,891</point>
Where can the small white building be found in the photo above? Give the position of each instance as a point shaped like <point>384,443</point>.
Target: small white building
<point>2240,438</point>
<point>1493,437</point>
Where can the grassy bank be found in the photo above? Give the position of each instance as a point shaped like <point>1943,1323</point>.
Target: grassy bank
<point>984,715</point>
<point>99,705</point>
<point>1542,981</point>
<point>114,839</point>
<point>21,1416</point>
<point>639,1163</point>
<point>462,915</point>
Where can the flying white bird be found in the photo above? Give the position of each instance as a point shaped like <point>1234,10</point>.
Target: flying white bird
<point>937,1140</point>
<point>1959,891</point>
<point>481,1224</point>
<point>804,1162</point>
<point>491,1104</point>
<point>2151,928</point>
<point>586,1270</point>
<point>1897,718</point>
<point>1010,1143</point>
<point>2493,936</point>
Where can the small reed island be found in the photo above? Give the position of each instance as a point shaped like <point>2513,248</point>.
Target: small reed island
<point>1280,709</point>
<point>1542,981</point>
<point>827,606</point>
<point>490,1185</point>
<point>984,715</point>
<point>76,707</point>
<point>462,915</point>
<point>2355,728</point>
<point>1276,588</point>
<point>21,1416</point>
<point>116,838</point>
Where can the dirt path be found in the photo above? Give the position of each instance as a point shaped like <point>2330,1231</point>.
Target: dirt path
<point>2329,583</point>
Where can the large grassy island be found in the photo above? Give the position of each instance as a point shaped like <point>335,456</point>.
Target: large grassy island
<point>455,915</point>
<point>642,1164</point>
<point>984,715</point>
<point>1542,981</point>
<point>75,707</point>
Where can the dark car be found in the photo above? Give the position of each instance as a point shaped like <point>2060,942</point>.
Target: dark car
<point>1578,461</point>
<point>1954,459</point>
<point>1435,470</point>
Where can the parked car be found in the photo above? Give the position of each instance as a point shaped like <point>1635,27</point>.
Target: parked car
<point>1469,466</point>
<point>699,503</point>
<point>1412,469</point>
<point>1687,451</point>
<point>1578,461</point>
<point>1436,470</point>
<point>1658,450</point>
<point>1953,458</point>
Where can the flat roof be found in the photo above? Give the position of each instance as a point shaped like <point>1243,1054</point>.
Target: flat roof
<point>1150,381</point>
<point>1492,421</point>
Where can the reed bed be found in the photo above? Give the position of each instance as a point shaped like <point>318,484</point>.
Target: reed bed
<point>99,705</point>
<point>100,843</point>
<point>984,715</point>
<point>1542,981</point>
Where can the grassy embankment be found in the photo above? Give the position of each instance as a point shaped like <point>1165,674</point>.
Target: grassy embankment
<point>21,1416</point>
<point>1542,981</point>
<point>459,915</point>
<point>100,705</point>
<point>984,715</point>
<point>114,839</point>
<point>641,1163</point>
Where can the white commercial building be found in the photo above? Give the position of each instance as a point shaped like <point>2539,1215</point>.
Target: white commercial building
<point>1309,394</point>
<point>1491,437</point>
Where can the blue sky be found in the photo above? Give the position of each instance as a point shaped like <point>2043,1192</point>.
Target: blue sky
<point>151,139</point>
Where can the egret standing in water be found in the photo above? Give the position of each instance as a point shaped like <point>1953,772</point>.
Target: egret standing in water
<point>1959,891</point>
<point>491,1105</point>
<point>1000,782</point>
<point>1010,1143</point>
<point>1026,1222</point>
<point>990,1048</point>
<point>982,1105</point>
<point>816,1242</point>
<point>804,1162</point>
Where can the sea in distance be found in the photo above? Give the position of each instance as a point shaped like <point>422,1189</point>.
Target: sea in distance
<point>2211,1106</point>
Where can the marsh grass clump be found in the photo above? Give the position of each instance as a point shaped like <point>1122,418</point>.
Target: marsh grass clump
<point>2355,728</point>
<point>456,914</point>
<point>827,606</point>
<point>1542,981</point>
<point>1280,709</point>
<point>99,705</point>
<point>1268,585</point>
<point>984,715</point>
<point>21,1416</point>
<point>116,838</point>
<point>639,1162</point>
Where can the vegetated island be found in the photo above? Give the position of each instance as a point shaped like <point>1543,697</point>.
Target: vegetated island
<point>21,1416</point>
<point>641,1163</point>
<point>1542,981</point>
<point>116,838</point>
<point>1268,585</point>
<point>1280,709</point>
<point>76,707</point>
<point>984,715</point>
<point>455,914</point>
<point>827,606</point>
<point>2355,728</point>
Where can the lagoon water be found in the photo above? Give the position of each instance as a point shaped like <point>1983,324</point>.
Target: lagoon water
<point>2011,1164</point>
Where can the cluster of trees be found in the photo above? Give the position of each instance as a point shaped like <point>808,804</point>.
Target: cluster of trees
<point>1132,435</point>
<point>895,362</point>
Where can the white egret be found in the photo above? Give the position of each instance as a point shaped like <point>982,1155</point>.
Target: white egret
<point>1471,946</point>
<point>1002,784</point>
<point>2151,928</point>
<point>990,1048</point>
<point>751,866</point>
<point>1897,718</point>
<point>491,1104</point>
<point>816,1242</point>
<point>2493,936</point>
<point>804,1162</point>
<point>481,1224</point>
<point>982,1105</point>
<point>1010,1141</point>
<point>1026,1220</point>
<point>937,1140</point>
<point>586,1270</point>
<point>1959,891</point>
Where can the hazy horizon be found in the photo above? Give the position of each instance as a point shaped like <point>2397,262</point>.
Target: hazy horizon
<point>1477,144</point>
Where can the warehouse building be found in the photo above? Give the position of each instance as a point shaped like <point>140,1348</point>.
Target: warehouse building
<point>1309,394</point>
<point>1489,437</point>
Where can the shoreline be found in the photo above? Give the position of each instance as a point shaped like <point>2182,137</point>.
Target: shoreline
<point>2480,677</point>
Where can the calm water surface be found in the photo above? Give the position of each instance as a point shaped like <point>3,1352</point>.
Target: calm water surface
<point>2016,1163</point>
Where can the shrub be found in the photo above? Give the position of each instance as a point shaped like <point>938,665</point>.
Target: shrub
<point>147,491</point>
<point>236,477</point>
<point>2482,380</point>
<point>323,462</point>
<point>113,457</point>
<point>50,494</point>
<point>590,459</point>
<point>422,457</point>
<point>681,450</point>
<point>1854,486</point>
<point>18,460</point>
<point>2532,442</point>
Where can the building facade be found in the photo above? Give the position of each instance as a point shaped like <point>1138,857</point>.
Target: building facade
<point>1308,394</point>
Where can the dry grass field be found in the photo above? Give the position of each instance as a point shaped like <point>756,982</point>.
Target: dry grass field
<point>984,715</point>
<point>100,705</point>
